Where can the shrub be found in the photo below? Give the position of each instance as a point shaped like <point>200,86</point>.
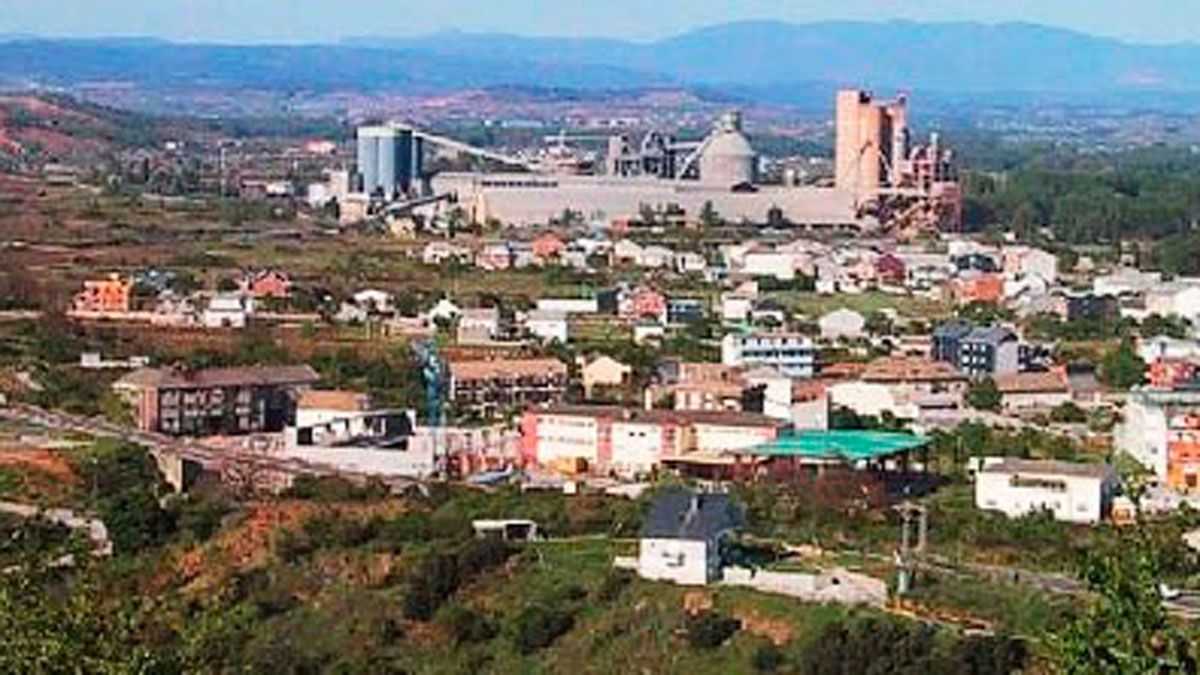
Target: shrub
<point>537,627</point>
<point>435,580</point>
<point>767,659</point>
<point>465,625</point>
<point>710,630</point>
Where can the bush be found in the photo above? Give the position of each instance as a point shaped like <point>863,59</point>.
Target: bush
<point>767,659</point>
<point>434,581</point>
<point>537,627</point>
<point>465,625</point>
<point>710,630</point>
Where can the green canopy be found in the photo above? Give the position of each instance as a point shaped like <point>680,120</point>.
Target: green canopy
<point>849,445</point>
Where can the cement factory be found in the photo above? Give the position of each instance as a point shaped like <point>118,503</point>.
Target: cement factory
<point>882,181</point>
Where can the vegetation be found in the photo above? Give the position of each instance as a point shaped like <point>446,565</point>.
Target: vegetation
<point>983,394</point>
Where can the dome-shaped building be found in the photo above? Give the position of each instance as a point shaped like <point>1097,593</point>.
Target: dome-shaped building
<point>727,158</point>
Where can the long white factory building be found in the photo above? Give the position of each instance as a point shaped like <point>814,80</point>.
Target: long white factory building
<point>524,198</point>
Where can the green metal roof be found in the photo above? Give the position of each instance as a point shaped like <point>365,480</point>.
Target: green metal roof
<point>849,445</point>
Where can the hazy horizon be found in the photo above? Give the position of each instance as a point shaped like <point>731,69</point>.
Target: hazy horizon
<point>313,22</point>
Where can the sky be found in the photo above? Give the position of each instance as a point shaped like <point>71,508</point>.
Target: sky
<point>257,21</point>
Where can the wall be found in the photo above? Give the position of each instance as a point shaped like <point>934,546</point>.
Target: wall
<point>636,448</point>
<point>676,560</point>
<point>1082,499</point>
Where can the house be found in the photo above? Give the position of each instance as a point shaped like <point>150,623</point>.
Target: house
<point>266,284</point>
<point>548,247</point>
<point>916,374</point>
<point>494,256</point>
<point>603,371</point>
<point>319,406</point>
<point>978,287</point>
<point>792,354</point>
<point>655,257</point>
<point>626,251</point>
<point>379,443</point>
<point>842,324</point>
<point>684,536</point>
<point>1089,307</point>
<point>437,252</point>
<point>1029,261</point>
<point>1180,297</point>
<point>890,270</point>
<point>774,264</point>
<point>1160,429</point>
<point>479,325</point>
<point>681,311</point>
<point>1042,390</point>
<point>947,341</point>
<point>768,312</point>
<point>375,302</point>
<point>1072,492</point>
<point>548,325</point>
<point>903,386</point>
<point>1164,347</point>
<point>690,262</point>
<point>182,402</point>
<point>113,294</point>
<point>350,312</point>
<point>490,387</point>
<point>989,351</point>
<point>1126,281</point>
<point>569,305</point>
<point>444,311</point>
<point>735,307</point>
<point>227,310</point>
<point>644,303</point>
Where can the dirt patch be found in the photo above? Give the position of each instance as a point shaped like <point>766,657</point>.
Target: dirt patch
<point>775,630</point>
<point>252,542</point>
<point>43,461</point>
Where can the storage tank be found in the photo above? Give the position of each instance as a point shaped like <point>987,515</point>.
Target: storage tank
<point>728,159</point>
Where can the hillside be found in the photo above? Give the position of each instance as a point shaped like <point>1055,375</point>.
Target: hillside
<point>947,57</point>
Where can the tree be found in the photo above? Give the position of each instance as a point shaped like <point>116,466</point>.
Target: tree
<point>1125,628</point>
<point>1122,368</point>
<point>709,216</point>
<point>984,395</point>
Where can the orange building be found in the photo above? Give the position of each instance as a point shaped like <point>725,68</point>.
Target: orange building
<point>113,294</point>
<point>979,288</point>
<point>548,247</point>
<point>267,284</point>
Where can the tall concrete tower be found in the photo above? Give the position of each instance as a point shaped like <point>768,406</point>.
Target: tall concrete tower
<point>872,140</point>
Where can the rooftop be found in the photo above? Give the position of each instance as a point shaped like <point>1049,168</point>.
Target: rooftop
<point>848,445</point>
<point>679,514</point>
<point>909,369</point>
<point>339,400</point>
<point>1052,467</point>
<point>705,417</point>
<point>218,377</point>
<point>1024,383</point>
<point>490,370</point>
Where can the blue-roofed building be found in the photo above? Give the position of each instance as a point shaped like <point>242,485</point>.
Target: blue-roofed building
<point>683,537</point>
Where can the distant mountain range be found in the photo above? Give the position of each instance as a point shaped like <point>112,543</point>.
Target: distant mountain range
<point>759,60</point>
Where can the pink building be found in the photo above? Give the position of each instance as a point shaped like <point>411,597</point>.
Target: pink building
<point>644,302</point>
<point>548,247</point>
<point>627,441</point>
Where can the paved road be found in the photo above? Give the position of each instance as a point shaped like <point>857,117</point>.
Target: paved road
<point>222,461</point>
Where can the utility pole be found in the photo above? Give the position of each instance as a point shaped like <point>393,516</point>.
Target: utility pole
<point>907,556</point>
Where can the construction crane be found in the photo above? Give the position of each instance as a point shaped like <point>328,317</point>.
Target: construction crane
<point>433,373</point>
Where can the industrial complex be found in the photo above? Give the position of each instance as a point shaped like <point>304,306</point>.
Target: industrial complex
<point>882,181</point>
